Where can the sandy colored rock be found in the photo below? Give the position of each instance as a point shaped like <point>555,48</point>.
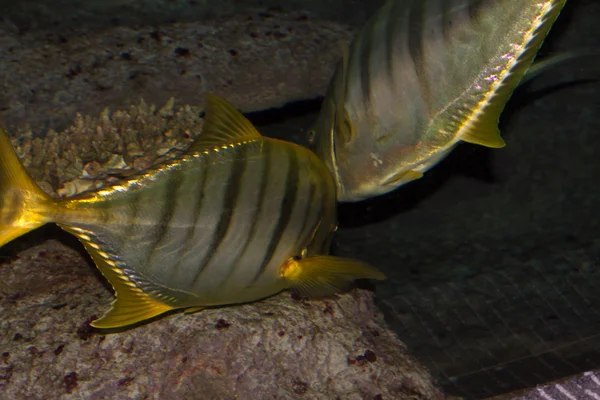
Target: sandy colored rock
<point>256,60</point>
<point>278,348</point>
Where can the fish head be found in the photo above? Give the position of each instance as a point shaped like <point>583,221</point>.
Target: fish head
<point>370,149</point>
<point>368,154</point>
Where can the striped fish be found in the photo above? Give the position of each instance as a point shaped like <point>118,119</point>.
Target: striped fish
<point>237,218</point>
<point>421,76</point>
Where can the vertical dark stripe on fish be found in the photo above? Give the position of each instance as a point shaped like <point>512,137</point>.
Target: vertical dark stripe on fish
<point>302,242</point>
<point>232,191</point>
<point>191,230</point>
<point>168,205</point>
<point>364,55</point>
<point>266,160</point>
<point>392,22</point>
<point>285,212</point>
<point>447,20</point>
<point>131,224</point>
<point>417,23</point>
<point>415,32</point>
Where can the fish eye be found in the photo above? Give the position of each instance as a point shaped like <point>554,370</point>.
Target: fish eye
<point>311,136</point>
<point>297,257</point>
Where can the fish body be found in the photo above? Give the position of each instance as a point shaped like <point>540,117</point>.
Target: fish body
<point>421,76</point>
<point>237,218</point>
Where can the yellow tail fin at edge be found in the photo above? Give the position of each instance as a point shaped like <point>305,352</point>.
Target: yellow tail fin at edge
<point>322,276</point>
<point>24,206</point>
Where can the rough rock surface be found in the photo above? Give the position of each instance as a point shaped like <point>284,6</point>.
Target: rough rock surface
<point>280,348</point>
<point>255,60</point>
<point>62,14</point>
<point>94,151</point>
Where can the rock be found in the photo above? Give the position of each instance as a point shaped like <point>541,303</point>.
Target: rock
<point>256,60</point>
<point>277,348</point>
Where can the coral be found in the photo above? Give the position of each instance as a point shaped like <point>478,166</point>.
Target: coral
<point>94,151</point>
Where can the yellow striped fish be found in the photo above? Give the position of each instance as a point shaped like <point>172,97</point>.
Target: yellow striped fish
<point>237,218</point>
<point>421,76</point>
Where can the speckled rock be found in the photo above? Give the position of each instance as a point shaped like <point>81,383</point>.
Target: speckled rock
<point>279,348</point>
<point>256,60</point>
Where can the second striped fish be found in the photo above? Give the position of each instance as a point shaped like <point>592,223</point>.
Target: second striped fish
<point>238,218</point>
<point>421,76</point>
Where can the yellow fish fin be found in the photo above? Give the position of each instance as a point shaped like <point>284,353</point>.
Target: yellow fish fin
<point>192,310</point>
<point>405,176</point>
<point>24,206</point>
<point>320,276</point>
<point>488,136</point>
<point>223,125</point>
<point>483,129</point>
<point>132,304</point>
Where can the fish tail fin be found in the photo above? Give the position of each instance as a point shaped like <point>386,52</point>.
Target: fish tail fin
<point>322,276</point>
<point>24,206</point>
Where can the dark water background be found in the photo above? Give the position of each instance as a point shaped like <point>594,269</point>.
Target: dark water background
<point>493,257</point>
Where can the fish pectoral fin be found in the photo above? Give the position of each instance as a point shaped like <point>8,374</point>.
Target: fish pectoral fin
<point>223,125</point>
<point>193,310</point>
<point>484,134</point>
<point>321,276</point>
<point>132,304</point>
<point>406,176</point>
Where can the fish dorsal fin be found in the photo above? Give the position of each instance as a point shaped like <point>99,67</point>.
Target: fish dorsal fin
<point>223,125</point>
<point>132,304</point>
<point>320,276</point>
<point>483,129</point>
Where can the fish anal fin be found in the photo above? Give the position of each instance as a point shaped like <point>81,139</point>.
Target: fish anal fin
<point>321,276</point>
<point>405,176</point>
<point>223,125</point>
<point>482,129</point>
<point>132,304</point>
<point>484,134</point>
